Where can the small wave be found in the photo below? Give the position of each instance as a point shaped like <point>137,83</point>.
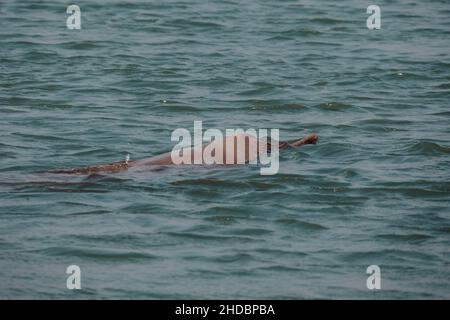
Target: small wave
<point>445,86</point>
<point>225,220</point>
<point>96,253</point>
<point>428,149</point>
<point>334,106</point>
<point>47,137</point>
<point>193,23</point>
<point>294,34</point>
<point>327,21</point>
<point>281,252</point>
<point>388,255</point>
<point>203,237</point>
<point>405,237</point>
<point>80,45</point>
<point>167,106</point>
<point>279,268</point>
<point>442,113</point>
<point>90,212</point>
<point>279,107</point>
<point>406,190</point>
<point>349,173</point>
<point>250,232</point>
<point>233,258</point>
<point>332,149</point>
<point>384,122</point>
<point>443,229</point>
<point>87,152</point>
<point>217,183</point>
<point>290,222</point>
<point>55,186</point>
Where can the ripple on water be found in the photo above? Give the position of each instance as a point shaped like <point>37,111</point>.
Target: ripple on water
<point>408,238</point>
<point>334,106</point>
<point>298,224</point>
<point>374,190</point>
<point>427,148</point>
<point>97,254</point>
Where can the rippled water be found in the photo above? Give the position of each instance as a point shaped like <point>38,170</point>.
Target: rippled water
<point>375,190</point>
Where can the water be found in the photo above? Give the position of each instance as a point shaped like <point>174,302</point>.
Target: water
<point>375,190</point>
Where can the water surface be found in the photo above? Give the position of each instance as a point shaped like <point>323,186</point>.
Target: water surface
<point>375,190</point>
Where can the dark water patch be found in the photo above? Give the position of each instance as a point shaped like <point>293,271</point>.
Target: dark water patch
<point>88,152</point>
<point>280,253</point>
<point>225,258</point>
<point>105,178</point>
<point>385,121</point>
<point>207,273</point>
<point>389,255</point>
<point>217,184</point>
<point>427,148</point>
<point>100,254</point>
<point>261,90</point>
<point>54,186</point>
<point>165,107</point>
<point>59,189</point>
<point>207,237</point>
<point>47,183</point>
<point>405,190</point>
<point>320,83</point>
<point>331,184</point>
<point>42,57</point>
<point>288,178</point>
<point>5,145</point>
<point>403,76</point>
<point>336,149</point>
<point>204,193</point>
<point>293,34</point>
<point>327,21</point>
<point>279,268</point>
<point>228,212</point>
<point>81,45</point>
<point>442,113</point>
<point>249,232</point>
<point>9,110</point>
<point>444,86</point>
<point>349,173</point>
<point>142,208</point>
<point>410,238</point>
<point>268,106</point>
<point>222,219</point>
<point>90,213</point>
<point>298,224</point>
<point>118,238</point>
<point>444,229</point>
<point>329,197</point>
<point>261,186</point>
<point>184,23</point>
<point>41,137</point>
<point>334,106</point>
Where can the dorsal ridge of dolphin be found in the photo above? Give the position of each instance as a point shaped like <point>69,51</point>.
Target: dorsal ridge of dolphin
<point>166,158</point>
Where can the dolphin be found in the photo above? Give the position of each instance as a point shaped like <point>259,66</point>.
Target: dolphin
<point>243,154</point>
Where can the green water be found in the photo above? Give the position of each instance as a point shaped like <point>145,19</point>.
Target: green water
<point>375,190</point>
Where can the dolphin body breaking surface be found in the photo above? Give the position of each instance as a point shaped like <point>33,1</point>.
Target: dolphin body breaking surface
<point>243,155</point>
